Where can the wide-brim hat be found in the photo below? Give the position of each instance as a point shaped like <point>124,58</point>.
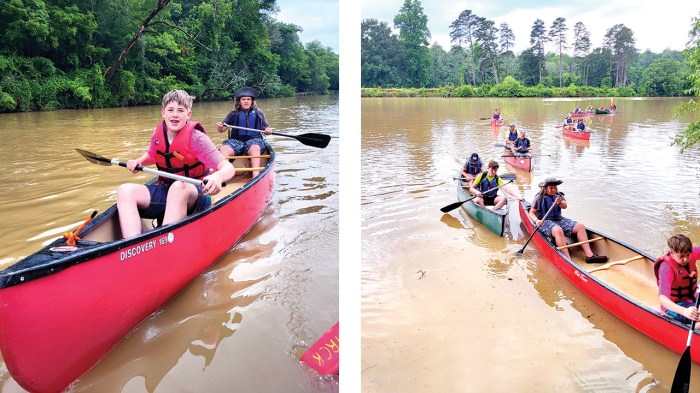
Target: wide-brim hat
<point>551,181</point>
<point>246,92</point>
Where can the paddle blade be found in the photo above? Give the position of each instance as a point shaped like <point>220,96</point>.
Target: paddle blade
<point>94,158</point>
<point>508,176</point>
<point>681,381</point>
<point>452,206</point>
<point>315,140</point>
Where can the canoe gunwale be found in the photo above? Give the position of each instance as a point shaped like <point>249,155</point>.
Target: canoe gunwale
<point>29,269</point>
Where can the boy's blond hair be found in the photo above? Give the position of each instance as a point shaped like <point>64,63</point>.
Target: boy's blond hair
<point>179,96</point>
<point>680,244</point>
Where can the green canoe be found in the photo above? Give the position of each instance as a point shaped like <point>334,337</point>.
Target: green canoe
<point>493,220</point>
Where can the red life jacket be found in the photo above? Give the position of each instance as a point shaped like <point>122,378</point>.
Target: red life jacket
<point>176,157</point>
<point>684,280</point>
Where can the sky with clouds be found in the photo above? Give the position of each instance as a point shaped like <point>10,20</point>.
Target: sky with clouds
<point>656,25</point>
<point>318,18</point>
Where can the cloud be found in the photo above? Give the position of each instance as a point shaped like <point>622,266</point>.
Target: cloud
<point>318,18</point>
<point>655,26</point>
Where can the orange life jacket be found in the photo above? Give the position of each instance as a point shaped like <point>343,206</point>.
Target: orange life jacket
<point>684,280</point>
<point>176,157</point>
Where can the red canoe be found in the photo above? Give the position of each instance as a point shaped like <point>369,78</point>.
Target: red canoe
<point>625,286</point>
<point>581,114</point>
<point>63,308</point>
<point>576,134</point>
<point>497,123</point>
<point>518,162</point>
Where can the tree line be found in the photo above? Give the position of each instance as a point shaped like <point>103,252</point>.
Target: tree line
<point>57,54</point>
<point>482,55</point>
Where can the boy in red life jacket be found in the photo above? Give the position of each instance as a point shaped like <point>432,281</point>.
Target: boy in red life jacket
<point>178,146</point>
<point>677,277</point>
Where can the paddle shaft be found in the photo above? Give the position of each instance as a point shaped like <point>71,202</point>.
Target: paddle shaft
<point>173,176</point>
<point>455,205</point>
<point>538,226</point>
<point>309,139</point>
<point>579,243</point>
<point>681,380</point>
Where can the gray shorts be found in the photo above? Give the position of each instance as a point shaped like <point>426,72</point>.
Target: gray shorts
<point>240,148</point>
<point>566,224</point>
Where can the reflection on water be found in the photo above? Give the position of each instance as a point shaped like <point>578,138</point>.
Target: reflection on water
<point>499,321</point>
<point>276,292</point>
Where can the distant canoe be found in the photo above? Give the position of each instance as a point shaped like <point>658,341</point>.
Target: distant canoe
<point>576,134</point>
<point>497,123</point>
<point>582,114</point>
<point>518,162</point>
<point>604,112</point>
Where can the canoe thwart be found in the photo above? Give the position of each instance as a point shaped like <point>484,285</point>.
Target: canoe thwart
<point>621,262</point>
<point>258,156</point>
<point>579,243</point>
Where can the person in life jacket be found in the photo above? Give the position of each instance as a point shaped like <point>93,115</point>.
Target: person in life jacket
<point>245,114</point>
<point>677,278</point>
<point>568,122</point>
<point>589,108</point>
<point>602,107</point>
<point>181,147</point>
<point>484,187</point>
<point>496,114</point>
<point>556,226</point>
<point>613,106</point>
<point>471,168</point>
<point>521,147</point>
<point>580,126</point>
<point>512,135</point>
<point>577,109</point>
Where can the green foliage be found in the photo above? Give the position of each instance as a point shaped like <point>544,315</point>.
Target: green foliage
<point>464,91</point>
<point>54,54</point>
<point>509,87</point>
<point>690,137</point>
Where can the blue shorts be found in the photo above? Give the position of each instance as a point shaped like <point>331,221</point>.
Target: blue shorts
<point>679,317</point>
<point>159,195</point>
<point>240,148</point>
<point>565,224</point>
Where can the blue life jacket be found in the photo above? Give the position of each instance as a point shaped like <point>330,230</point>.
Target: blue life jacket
<point>581,126</point>
<point>521,145</point>
<point>249,120</point>
<point>485,185</point>
<point>473,168</point>
<point>568,121</point>
<point>547,201</point>
<point>513,136</point>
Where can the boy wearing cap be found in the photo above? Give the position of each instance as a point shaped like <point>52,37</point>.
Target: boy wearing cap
<point>489,180</point>
<point>521,147</point>
<point>555,225</point>
<point>245,114</point>
<point>472,167</point>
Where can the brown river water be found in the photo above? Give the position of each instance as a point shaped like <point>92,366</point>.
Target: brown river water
<point>447,306</point>
<point>239,327</point>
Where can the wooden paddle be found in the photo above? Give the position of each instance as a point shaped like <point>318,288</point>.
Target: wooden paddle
<point>98,159</point>
<point>610,264</point>
<point>455,205</point>
<point>579,243</point>
<point>681,381</point>
<point>309,139</point>
<point>538,227</point>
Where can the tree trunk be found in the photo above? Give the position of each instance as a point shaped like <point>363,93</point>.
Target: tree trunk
<point>109,72</point>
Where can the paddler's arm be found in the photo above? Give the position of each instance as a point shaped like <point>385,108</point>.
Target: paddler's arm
<point>224,172</point>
